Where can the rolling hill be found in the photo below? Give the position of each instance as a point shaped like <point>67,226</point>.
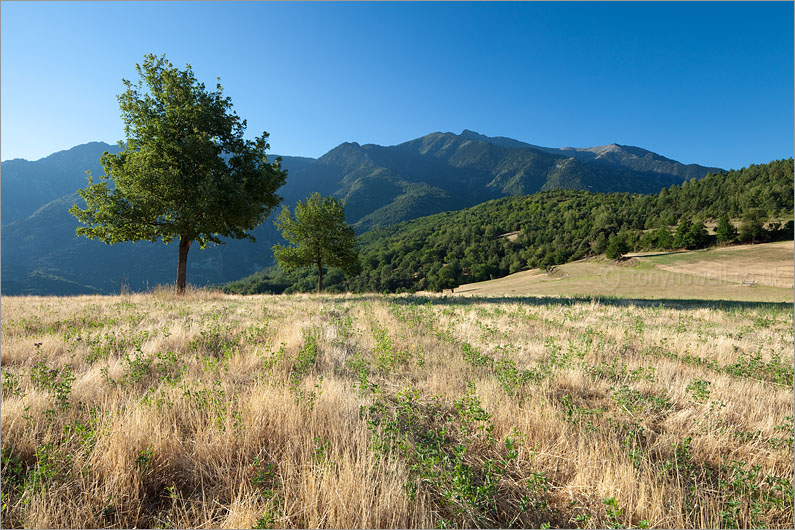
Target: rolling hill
<point>381,186</point>
<point>743,273</point>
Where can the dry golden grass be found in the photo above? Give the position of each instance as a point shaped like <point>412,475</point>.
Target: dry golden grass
<point>716,274</point>
<point>394,411</point>
<point>767,264</point>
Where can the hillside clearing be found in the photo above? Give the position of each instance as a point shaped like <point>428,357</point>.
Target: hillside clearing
<point>716,274</point>
<point>767,264</point>
<point>395,411</point>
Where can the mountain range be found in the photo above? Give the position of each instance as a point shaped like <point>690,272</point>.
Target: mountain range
<point>380,185</point>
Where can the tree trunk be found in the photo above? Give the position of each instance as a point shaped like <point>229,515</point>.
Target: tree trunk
<point>319,276</point>
<point>182,265</point>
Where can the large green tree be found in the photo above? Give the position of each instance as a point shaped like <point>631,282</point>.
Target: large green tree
<point>320,237</point>
<point>185,171</point>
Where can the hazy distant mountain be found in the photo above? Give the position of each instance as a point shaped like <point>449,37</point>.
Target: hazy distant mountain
<point>380,186</point>
<point>42,255</point>
<point>26,185</point>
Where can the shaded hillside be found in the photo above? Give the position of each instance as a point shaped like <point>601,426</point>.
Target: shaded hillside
<point>26,185</point>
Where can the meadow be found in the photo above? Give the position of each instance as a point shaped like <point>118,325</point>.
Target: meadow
<point>213,410</point>
<point>751,273</point>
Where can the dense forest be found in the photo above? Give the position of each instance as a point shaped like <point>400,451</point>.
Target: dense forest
<point>548,228</point>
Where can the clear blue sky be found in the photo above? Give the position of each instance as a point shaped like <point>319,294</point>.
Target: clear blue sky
<point>708,83</point>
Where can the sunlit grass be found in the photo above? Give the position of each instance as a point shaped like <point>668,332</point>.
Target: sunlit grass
<point>394,411</point>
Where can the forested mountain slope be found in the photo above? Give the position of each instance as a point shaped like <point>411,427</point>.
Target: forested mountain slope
<point>552,227</point>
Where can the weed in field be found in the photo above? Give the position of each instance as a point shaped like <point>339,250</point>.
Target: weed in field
<point>387,356</point>
<point>218,341</point>
<point>752,365</point>
<point>144,458</point>
<point>273,359</point>
<point>445,449</point>
<point>578,416</point>
<point>57,381</point>
<point>11,384</point>
<point>699,389</point>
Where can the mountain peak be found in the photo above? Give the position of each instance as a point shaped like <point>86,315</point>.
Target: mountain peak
<point>502,141</point>
<point>467,133</point>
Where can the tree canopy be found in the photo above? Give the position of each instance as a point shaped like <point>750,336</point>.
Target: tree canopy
<point>320,235</point>
<point>185,171</point>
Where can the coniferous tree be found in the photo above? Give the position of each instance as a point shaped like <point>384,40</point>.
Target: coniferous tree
<point>697,237</point>
<point>663,238</point>
<point>752,227</point>
<point>616,246</point>
<point>725,231</point>
<point>599,244</point>
<point>683,231</point>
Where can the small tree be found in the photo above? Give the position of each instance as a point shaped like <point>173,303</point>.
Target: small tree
<point>682,237</point>
<point>599,244</point>
<point>616,246</point>
<point>185,170</point>
<point>752,228</point>
<point>698,236</point>
<point>320,235</point>
<point>725,231</point>
<point>648,241</point>
<point>663,238</point>
<point>448,275</point>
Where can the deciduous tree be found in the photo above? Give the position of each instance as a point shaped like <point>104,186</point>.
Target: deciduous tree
<point>320,237</point>
<point>185,171</point>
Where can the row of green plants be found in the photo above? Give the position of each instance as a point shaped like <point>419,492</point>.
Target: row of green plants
<point>455,461</point>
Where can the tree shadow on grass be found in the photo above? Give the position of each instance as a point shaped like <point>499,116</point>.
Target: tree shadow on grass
<point>667,303</point>
<point>615,301</point>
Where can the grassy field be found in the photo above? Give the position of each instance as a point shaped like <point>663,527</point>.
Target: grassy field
<point>766,264</point>
<point>715,274</point>
<point>395,411</point>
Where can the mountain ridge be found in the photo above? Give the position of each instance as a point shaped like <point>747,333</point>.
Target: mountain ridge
<point>381,186</point>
